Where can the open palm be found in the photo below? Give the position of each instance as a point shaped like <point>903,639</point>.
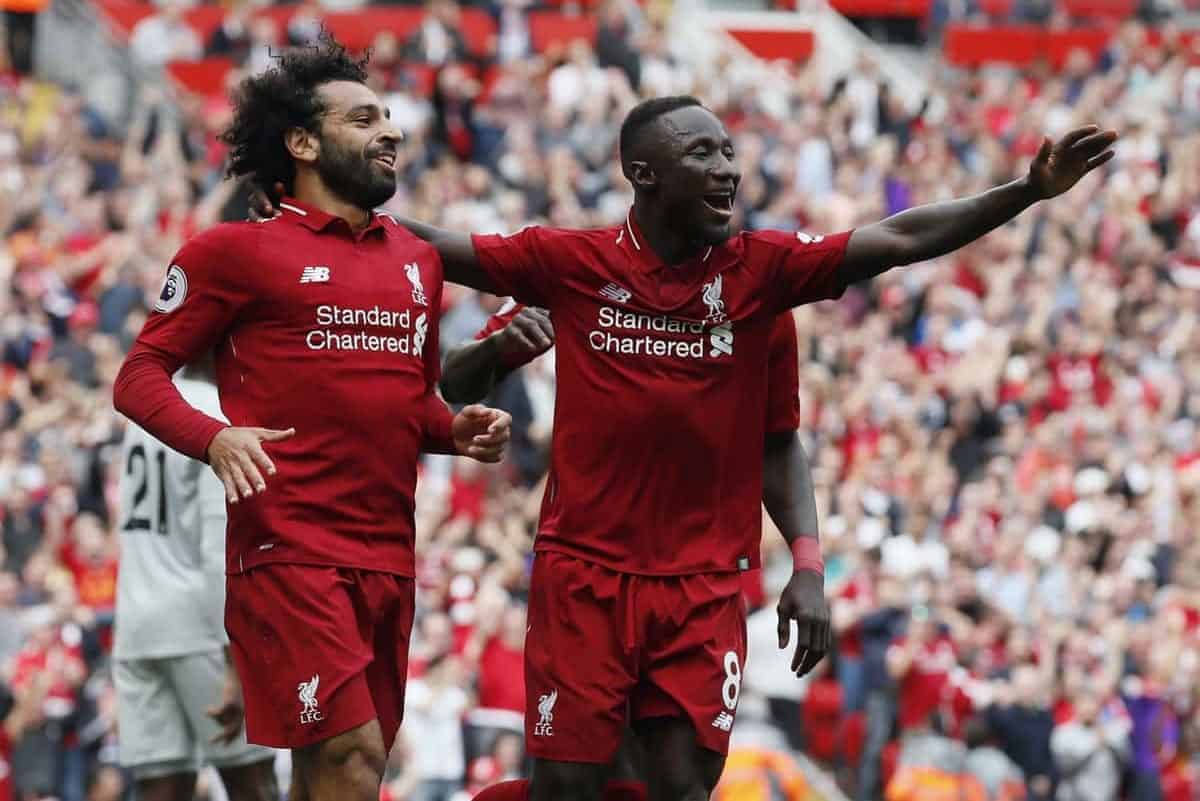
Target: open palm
<point>1059,165</point>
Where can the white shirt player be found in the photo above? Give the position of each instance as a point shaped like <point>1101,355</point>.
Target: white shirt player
<point>171,588</point>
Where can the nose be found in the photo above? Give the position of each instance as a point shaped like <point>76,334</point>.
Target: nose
<point>392,134</point>
<point>724,169</point>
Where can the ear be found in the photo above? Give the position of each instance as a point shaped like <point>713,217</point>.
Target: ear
<point>302,144</point>
<point>642,176</point>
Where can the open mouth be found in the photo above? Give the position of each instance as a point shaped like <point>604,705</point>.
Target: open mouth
<point>387,159</point>
<point>720,202</point>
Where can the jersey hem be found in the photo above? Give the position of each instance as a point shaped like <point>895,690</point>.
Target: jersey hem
<point>232,569</point>
<point>755,563</point>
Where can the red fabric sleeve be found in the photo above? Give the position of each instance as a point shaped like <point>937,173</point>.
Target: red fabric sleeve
<point>804,267</point>
<point>437,436</point>
<point>783,377</point>
<point>204,292</point>
<point>522,265</point>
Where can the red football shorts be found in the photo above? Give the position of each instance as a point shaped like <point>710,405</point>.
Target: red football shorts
<point>319,650</point>
<point>605,647</point>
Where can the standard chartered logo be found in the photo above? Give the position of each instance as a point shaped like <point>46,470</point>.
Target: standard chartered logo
<point>400,332</point>
<point>634,334</point>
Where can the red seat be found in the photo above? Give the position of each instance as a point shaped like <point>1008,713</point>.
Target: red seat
<point>549,28</point>
<point>203,77</point>
<point>124,14</point>
<point>1109,9</point>
<point>1060,44</point>
<point>775,44</point>
<point>970,46</point>
<point>916,9</point>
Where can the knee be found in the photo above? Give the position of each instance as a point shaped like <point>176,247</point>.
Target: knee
<point>560,781</point>
<point>694,780</point>
<point>348,772</point>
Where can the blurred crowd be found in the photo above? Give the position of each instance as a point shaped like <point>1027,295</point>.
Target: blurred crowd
<point>1004,441</point>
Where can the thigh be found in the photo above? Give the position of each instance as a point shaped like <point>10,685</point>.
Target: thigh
<point>695,638</point>
<point>198,680</point>
<point>155,738</point>
<point>301,646</point>
<point>684,768</point>
<point>392,602</point>
<point>579,668</point>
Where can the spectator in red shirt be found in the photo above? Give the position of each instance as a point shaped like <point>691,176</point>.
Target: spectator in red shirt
<point>920,663</point>
<point>497,646</point>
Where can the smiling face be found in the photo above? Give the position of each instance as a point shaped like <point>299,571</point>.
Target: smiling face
<point>357,145</point>
<point>691,159</point>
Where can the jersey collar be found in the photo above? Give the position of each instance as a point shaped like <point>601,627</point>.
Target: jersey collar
<point>630,236</point>
<point>316,220</point>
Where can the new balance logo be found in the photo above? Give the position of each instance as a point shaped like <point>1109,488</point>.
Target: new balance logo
<point>545,725</point>
<point>314,275</point>
<point>307,691</point>
<point>616,293</point>
<point>723,721</point>
<point>808,239</point>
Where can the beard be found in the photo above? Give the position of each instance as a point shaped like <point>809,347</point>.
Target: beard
<point>352,177</point>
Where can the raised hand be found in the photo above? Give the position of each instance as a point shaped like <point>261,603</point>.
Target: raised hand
<point>237,457</point>
<point>481,433</point>
<point>1059,165</point>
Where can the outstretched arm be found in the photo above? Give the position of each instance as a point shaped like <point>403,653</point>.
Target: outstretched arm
<point>926,232</point>
<point>792,504</point>
<point>457,252</point>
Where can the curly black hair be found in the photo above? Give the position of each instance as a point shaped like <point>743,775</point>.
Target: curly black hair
<point>268,105</point>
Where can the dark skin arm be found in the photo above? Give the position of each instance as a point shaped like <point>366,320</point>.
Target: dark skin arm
<point>472,369</point>
<point>792,504</point>
<point>455,249</point>
<point>926,232</point>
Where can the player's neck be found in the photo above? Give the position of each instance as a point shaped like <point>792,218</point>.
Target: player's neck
<point>668,245</point>
<point>312,191</point>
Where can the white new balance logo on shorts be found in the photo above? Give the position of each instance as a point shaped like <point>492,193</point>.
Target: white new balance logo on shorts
<point>723,721</point>
<point>314,275</point>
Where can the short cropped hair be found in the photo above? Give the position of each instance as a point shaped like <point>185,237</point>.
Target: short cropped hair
<point>643,114</point>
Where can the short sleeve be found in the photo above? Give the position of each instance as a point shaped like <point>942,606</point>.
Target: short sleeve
<point>804,268</point>
<point>521,265</point>
<point>497,321</point>
<point>783,376</point>
<point>202,294</point>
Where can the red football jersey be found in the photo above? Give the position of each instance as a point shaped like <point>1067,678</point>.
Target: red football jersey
<point>316,328</point>
<point>783,365</point>
<point>656,463</point>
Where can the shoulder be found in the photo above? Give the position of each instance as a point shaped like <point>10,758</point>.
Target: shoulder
<point>220,246</point>
<point>229,234</point>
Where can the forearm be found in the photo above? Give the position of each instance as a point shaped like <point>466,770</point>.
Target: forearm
<point>470,371</point>
<point>933,230</point>
<point>143,392</point>
<point>788,492</point>
<point>457,253</point>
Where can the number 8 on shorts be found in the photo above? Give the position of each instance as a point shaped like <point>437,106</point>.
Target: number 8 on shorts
<point>732,688</point>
